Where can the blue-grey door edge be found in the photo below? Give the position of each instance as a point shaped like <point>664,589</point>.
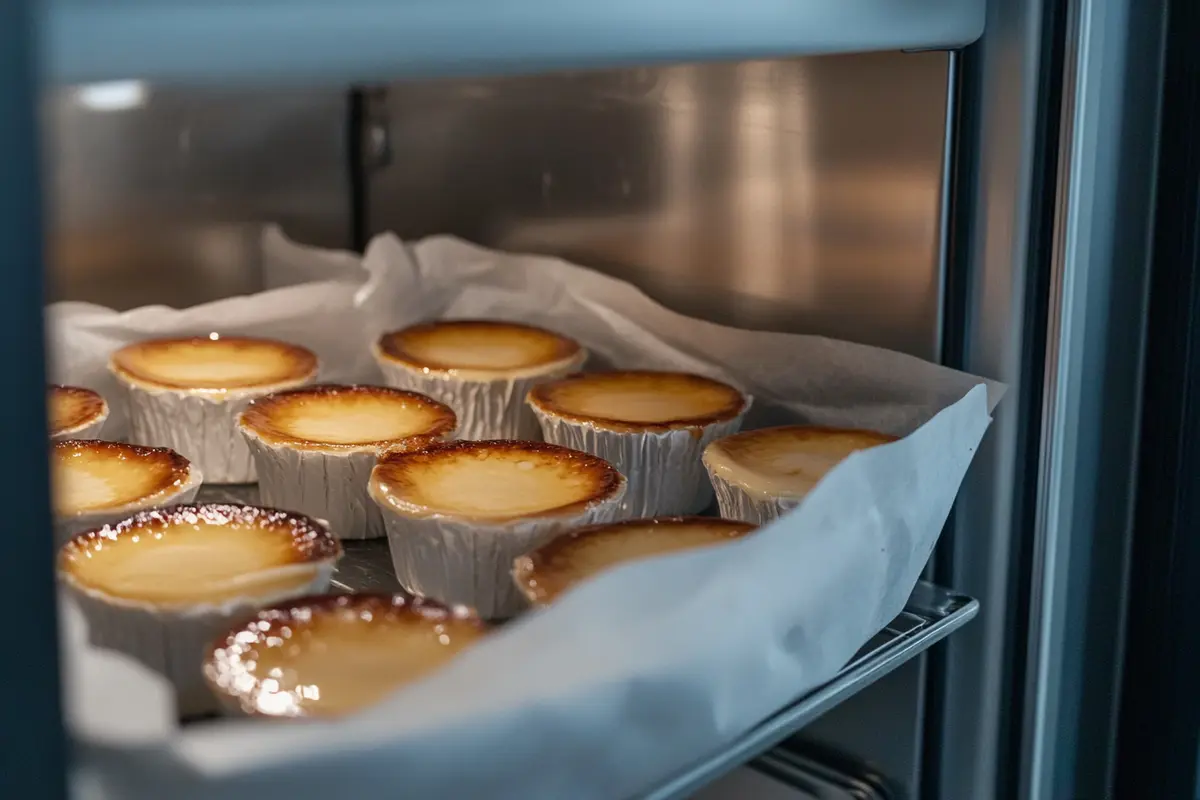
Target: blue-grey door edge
<point>1056,261</point>
<point>32,743</point>
<point>1000,200</point>
<point>1159,722</point>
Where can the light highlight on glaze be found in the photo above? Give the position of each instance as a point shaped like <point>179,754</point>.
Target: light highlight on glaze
<point>340,417</point>
<point>572,558</point>
<point>492,480</point>
<point>639,400</point>
<point>331,656</point>
<point>75,412</point>
<point>97,476</point>
<point>214,363</point>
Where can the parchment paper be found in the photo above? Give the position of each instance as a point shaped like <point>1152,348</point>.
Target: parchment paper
<point>640,672</point>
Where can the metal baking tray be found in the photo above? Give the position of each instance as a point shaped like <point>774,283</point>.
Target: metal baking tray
<point>932,614</point>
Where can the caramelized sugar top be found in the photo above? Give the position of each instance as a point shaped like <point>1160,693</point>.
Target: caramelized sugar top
<point>493,480</point>
<point>334,655</point>
<point>639,400</point>
<point>348,417</point>
<point>570,559</point>
<point>188,555</point>
<point>94,475</point>
<point>201,362</point>
<point>787,461</point>
<point>72,407</point>
<point>477,346</point>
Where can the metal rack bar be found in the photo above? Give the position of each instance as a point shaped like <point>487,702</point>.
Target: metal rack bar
<point>32,746</point>
<point>933,614</point>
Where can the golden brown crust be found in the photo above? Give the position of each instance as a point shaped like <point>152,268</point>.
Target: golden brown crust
<point>263,417</point>
<point>165,469</point>
<point>553,398</point>
<point>394,473</point>
<point>745,443</point>
<point>73,407</point>
<point>311,542</point>
<point>273,625</point>
<point>544,574</point>
<point>294,363</point>
<point>546,347</point>
<point>787,461</point>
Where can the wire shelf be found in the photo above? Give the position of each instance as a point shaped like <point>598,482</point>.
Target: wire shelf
<point>932,614</point>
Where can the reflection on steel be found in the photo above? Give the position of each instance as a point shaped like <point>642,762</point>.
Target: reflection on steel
<point>798,195</point>
<point>157,195</point>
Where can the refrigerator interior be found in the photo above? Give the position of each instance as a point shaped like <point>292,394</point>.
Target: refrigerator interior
<point>158,194</point>
<point>802,195</point>
<point>986,208</point>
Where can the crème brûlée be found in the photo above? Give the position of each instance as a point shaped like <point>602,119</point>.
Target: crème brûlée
<point>493,481</point>
<point>785,462</point>
<point>639,401</point>
<point>478,349</point>
<point>651,425</point>
<point>74,410</point>
<point>326,656</point>
<point>94,476</point>
<point>572,558</point>
<point>213,363</point>
<point>206,555</point>
<point>457,514</point>
<point>346,417</point>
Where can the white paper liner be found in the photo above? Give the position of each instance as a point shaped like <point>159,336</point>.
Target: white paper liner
<point>470,563</point>
<point>67,526</point>
<point>758,509</point>
<point>663,468</point>
<point>172,642</point>
<point>492,409</point>
<point>330,486</point>
<point>88,430</point>
<point>644,670</point>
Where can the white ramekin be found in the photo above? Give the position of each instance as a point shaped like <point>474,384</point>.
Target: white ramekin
<point>756,508</point>
<point>88,429</point>
<point>326,481</point>
<point>661,461</point>
<point>488,406</point>
<point>183,491</point>
<point>174,640</point>
<point>664,471</point>
<point>752,492</point>
<point>200,421</point>
<point>468,561</point>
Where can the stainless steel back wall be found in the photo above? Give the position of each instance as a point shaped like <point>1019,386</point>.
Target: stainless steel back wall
<point>797,195</point>
<point>158,195</point>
